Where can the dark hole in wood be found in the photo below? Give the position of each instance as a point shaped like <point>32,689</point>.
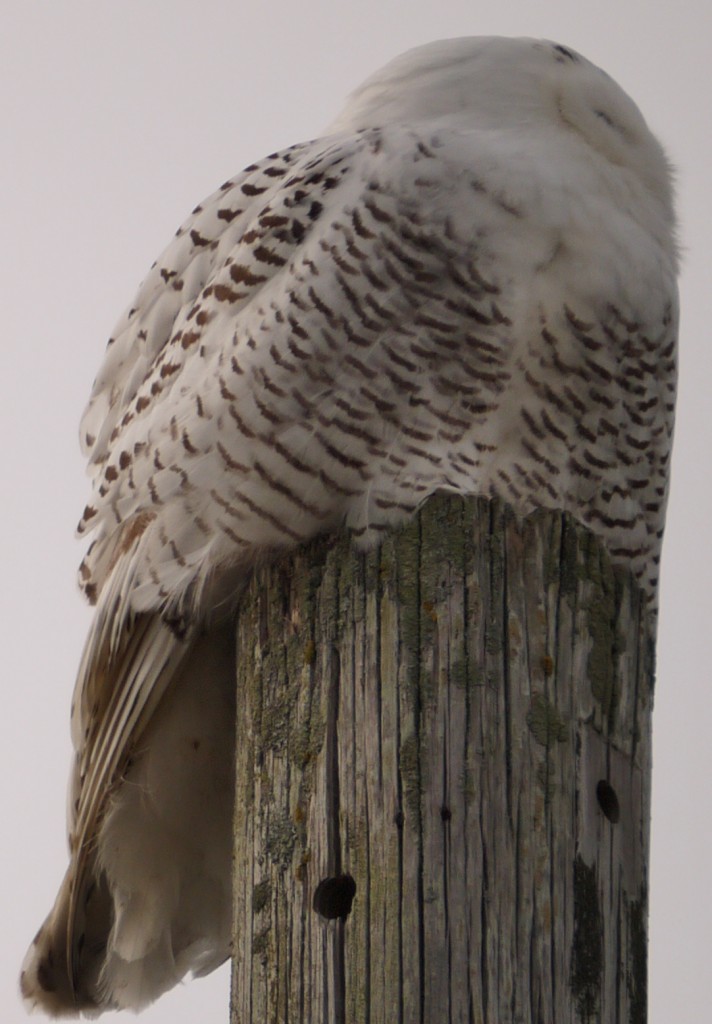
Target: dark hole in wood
<point>445,813</point>
<point>398,819</point>
<point>333,897</point>
<point>608,801</point>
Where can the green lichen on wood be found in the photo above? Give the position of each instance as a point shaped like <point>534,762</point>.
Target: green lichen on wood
<point>458,673</point>
<point>261,894</point>
<point>281,839</point>
<point>605,642</point>
<point>548,728</point>
<point>410,769</point>
<point>587,954</point>
<point>545,723</point>
<point>260,945</point>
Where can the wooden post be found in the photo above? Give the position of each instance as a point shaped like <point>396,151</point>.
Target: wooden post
<point>443,779</point>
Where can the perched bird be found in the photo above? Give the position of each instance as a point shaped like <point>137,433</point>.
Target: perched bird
<point>467,284</point>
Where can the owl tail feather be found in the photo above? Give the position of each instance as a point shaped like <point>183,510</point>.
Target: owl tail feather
<point>46,983</point>
<point>147,893</point>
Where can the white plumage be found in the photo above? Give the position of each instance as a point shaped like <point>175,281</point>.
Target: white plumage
<point>468,284</point>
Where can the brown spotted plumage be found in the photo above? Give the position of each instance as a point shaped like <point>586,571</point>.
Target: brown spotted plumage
<point>468,285</point>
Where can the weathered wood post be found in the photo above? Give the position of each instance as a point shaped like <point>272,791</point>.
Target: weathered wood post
<point>454,730</point>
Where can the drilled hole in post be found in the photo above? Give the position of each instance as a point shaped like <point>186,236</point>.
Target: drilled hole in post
<point>333,897</point>
<point>608,801</point>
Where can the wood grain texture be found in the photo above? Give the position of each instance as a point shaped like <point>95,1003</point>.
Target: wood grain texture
<point>460,721</point>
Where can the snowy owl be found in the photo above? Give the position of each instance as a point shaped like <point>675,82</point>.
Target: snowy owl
<point>466,284</point>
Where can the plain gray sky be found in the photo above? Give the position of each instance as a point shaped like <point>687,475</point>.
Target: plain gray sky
<point>117,118</point>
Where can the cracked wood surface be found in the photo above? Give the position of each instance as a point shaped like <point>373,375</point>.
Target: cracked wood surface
<point>459,721</point>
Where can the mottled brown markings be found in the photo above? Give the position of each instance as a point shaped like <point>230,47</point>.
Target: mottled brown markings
<point>267,413</point>
<point>599,398</point>
<point>227,507</point>
<point>225,294</point>
<point>640,444</point>
<point>190,338</point>
<point>242,274</point>
<point>275,172</point>
<point>414,265</point>
<point>382,406</point>
<point>289,494</point>
<point>317,374</point>
<point>234,537</point>
<point>197,239</point>
<point>241,425</point>
<point>573,398</point>
<point>355,303</point>
<point>585,433</point>
<point>228,215</point>
<point>422,453</point>
<point>600,371</point>
<point>231,463</point>
<point>279,360</point>
<point>551,426</point>
<point>331,341</point>
<point>359,227</point>
<point>168,369</point>
<point>595,462</point>
<point>177,555</point>
<point>338,259</point>
<point>297,328</point>
<point>270,386</point>
<point>249,189</point>
<point>268,256</point>
<point>360,531</point>
<point>263,513</point>
<point>403,506</point>
<point>538,457</point>
<point>322,307</point>
<point>297,352</point>
<point>399,383</point>
<point>296,300</point>
<point>350,410</point>
<point>399,360</point>
<point>202,526</point>
<point>187,445</point>
<point>544,484</point>
<point>532,424</point>
<point>305,404</point>
<point>339,456</point>
<point>348,428</point>
<point>417,435</point>
<point>445,386</point>
<point>225,391</point>
<point>354,338</point>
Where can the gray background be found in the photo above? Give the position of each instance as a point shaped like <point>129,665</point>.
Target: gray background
<point>116,119</point>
